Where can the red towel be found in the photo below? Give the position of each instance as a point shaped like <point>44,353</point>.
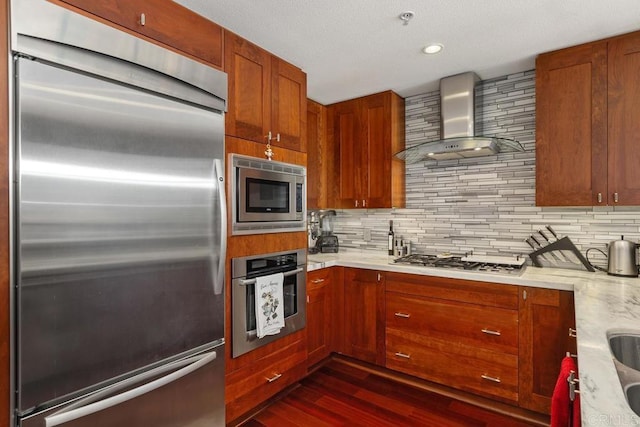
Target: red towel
<point>564,412</point>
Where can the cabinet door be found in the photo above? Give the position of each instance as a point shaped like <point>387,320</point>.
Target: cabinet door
<point>319,320</point>
<point>163,21</point>
<point>375,151</point>
<point>249,104</point>
<point>289,105</point>
<point>364,315</point>
<point>624,126</point>
<point>571,126</point>
<point>545,316</point>
<point>349,175</point>
<point>317,156</point>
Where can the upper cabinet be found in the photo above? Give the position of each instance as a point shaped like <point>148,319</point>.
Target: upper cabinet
<point>364,134</point>
<point>267,96</point>
<point>164,21</point>
<point>624,126</point>
<point>317,169</point>
<point>586,128</point>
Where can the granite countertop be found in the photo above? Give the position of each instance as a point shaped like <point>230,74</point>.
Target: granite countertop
<point>602,303</point>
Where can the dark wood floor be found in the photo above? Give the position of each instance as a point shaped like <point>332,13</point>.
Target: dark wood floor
<point>339,394</point>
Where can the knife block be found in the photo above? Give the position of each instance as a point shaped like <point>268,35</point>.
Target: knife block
<point>540,257</point>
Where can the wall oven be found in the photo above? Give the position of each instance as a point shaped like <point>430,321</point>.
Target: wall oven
<point>245,270</point>
<point>268,196</point>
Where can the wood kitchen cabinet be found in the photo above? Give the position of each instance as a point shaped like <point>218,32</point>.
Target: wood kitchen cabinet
<point>363,324</point>
<point>163,21</point>
<point>317,166</point>
<point>253,384</point>
<point>545,318</point>
<point>364,134</point>
<point>320,322</point>
<point>462,334</point>
<point>267,96</point>
<point>587,136</point>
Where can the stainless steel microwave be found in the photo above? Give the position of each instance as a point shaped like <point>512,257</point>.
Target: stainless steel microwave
<point>268,196</point>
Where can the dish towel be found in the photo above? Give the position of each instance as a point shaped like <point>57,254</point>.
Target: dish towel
<point>269,304</point>
<point>564,412</point>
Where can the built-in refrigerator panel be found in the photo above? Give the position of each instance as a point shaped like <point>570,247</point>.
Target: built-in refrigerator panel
<point>120,233</point>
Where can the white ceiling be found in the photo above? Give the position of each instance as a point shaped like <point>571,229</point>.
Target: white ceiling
<point>350,48</point>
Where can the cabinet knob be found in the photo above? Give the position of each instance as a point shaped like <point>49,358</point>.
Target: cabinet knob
<point>615,197</point>
<point>143,19</point>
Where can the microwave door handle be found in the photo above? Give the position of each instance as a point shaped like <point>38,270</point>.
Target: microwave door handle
<point>245,282</point>
<point>218,277</point>
<point>93,403</point>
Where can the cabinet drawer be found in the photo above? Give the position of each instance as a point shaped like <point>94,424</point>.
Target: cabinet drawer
<point>444,288</point>
<point>474,325</point>
<point>253,384</point>
<point>454,364</point>
<point>319,278</point>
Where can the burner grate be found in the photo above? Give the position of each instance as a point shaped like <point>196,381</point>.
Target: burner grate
<point>458,263</point>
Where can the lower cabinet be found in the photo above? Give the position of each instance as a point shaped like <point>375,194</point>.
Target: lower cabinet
<point>248,387</point>
<point>503,342</point>
<point>546,315</point>
<point>364,315</point>
<point>459,333</point>
<point>320,322</point>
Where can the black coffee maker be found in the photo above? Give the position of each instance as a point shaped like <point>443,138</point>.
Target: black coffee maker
<point>326,241</point>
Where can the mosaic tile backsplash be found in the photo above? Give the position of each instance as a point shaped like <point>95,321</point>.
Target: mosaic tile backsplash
<point>485,204</point>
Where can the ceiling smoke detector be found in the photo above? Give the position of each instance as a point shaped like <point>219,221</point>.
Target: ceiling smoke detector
<point>405,17</point>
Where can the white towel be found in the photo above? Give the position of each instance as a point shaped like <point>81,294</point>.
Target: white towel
<point>269,304</point>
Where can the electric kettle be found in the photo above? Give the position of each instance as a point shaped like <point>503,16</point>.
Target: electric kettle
<point>623,258</point>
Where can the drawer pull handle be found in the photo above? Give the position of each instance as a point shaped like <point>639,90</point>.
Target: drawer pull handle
<point>488,378</point>
<point>403,355</point>
<point>573,333</point>
<point>490,332</point>
<point>274,378</point>
<point>403,315</point>
<point>316,281</point>
<point>143,19</point>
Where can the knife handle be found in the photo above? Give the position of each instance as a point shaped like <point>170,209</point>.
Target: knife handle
<point>528,242</point>
<point>544,236</point>
<point>535,240</point>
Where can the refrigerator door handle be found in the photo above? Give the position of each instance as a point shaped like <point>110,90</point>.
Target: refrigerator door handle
<point>91,406</point>
<point>218,284</point>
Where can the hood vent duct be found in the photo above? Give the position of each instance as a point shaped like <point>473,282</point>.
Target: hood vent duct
<point>457,111</point>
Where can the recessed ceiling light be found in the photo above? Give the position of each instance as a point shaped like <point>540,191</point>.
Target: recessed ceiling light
<point>432,49</point>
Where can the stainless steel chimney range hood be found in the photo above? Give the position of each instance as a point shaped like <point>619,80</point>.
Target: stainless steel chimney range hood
<point>457,106</point>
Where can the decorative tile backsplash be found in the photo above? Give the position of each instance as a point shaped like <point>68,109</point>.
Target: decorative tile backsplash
<point>485,204</point>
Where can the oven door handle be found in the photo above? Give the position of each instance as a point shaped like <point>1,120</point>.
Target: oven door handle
<point>245,282</point>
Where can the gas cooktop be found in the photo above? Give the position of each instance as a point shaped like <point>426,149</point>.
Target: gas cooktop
<point>477,263</point>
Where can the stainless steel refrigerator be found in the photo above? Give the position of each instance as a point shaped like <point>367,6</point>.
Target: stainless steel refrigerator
<point>119,237</point>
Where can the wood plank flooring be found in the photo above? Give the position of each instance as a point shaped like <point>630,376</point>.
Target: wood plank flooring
<point>339,394</point>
